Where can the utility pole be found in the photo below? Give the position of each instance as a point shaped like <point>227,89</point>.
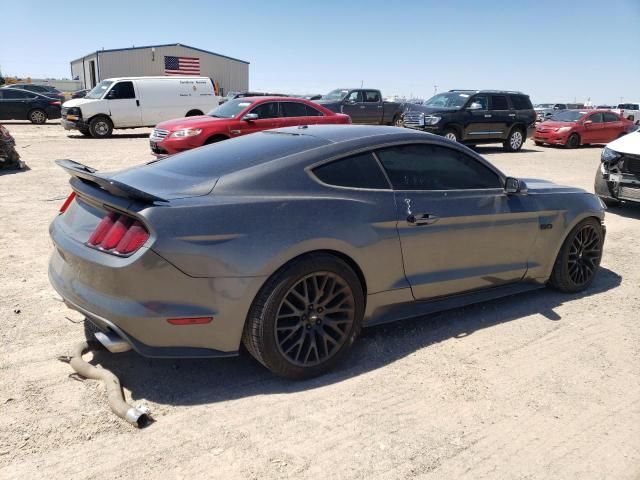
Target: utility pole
<point>435,89</point>
<point>361,83</point>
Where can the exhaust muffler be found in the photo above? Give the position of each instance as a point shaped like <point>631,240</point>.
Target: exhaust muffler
<point>138,416</point>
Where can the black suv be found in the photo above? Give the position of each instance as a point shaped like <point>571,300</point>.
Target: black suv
<point>475,116</point>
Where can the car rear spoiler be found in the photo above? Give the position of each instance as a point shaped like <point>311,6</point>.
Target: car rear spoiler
<point>89,175</point>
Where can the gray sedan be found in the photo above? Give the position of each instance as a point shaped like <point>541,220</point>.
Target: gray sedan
<point>290,241</point>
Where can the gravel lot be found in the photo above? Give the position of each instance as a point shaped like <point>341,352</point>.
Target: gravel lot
<point>543,385</point>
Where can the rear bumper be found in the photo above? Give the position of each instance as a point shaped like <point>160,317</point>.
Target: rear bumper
<point>135,296</point>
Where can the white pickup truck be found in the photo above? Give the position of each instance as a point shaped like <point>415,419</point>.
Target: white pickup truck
<point>630,111</point>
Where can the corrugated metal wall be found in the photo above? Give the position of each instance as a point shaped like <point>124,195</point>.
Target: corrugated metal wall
<point>230,74</point>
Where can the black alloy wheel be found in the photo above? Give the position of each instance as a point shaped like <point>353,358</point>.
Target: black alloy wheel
<point>306,317</point>
<point>579,257</point>
<point>315,319</point>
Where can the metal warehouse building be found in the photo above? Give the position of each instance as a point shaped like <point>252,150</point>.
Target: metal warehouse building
<point>229,74</point>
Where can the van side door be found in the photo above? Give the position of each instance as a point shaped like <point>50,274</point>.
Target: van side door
<point>124,105</point>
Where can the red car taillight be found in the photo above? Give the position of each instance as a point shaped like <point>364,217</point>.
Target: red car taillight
<point>55,103</point>
<point>119,234</point>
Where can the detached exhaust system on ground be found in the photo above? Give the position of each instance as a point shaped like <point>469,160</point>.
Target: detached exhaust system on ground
<point>138,416</point>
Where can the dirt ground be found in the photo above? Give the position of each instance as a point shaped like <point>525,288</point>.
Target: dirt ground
<point>543,385</point>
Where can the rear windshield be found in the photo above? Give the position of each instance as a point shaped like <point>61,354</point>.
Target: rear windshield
<point>237,154</point>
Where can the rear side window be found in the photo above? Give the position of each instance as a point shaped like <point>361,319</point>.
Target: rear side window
<point>358,171</point>
<point>371,96</point>
<point>521,102</point>
<point>432,167</point>
<point>313,112</point>
<point>293,109</point>
<point>499,102</point>
<point>122,90</point>
<point>611,117</point>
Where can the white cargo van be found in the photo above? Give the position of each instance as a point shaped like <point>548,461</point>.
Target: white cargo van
<point>138,102</point>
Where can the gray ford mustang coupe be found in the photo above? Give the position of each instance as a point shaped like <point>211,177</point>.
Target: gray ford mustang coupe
<point>290,241</point>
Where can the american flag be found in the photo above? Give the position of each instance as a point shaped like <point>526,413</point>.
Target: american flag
<point>181,65</point>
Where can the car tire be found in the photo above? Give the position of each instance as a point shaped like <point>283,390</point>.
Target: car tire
<point>573,141</point>
<point>604,190</point>
<point>514,141</point>
<point>298,330</point>
<point>37,116</point>
<point>451,134</point>
<point>193,113</point>
<point>538,144</point>
<point>579,257</point>
<point>100,127</point>
<point>397,121</point>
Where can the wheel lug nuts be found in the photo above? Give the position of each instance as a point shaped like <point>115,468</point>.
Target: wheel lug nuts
<point>318,322</point>
<point>319,309</point>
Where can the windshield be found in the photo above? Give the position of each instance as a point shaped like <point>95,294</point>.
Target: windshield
<point>568,116</point>
<point>544,105</point>
<point>447,100</point>
<point>230,109</point>
<point>337,94</point>
<point>99,90</point>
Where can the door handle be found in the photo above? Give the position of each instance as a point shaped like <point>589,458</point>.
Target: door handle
<point>379,106</point>
<point>512,114</point>
<point>487,116</point>
<point>422,219</point>
<point>362,106</point>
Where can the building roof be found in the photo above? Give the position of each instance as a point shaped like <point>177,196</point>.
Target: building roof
<point>158,46</point>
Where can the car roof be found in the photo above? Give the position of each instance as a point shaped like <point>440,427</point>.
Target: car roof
<point>513,92</point>
<point>346,133</point>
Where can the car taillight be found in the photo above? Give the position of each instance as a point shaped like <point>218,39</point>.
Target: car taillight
<point>118,234</point>
<point>67,202</point>
<point>55,103</point>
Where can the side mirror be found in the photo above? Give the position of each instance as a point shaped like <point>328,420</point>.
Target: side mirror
<point>250,117</point>
<point>474,106</point>
<point>588,122</point>
<point>513,186</point>
<point>109,95</point>
<point>349,102</point>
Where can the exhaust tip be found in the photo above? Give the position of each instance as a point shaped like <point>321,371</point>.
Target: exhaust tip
<point>139,416</point>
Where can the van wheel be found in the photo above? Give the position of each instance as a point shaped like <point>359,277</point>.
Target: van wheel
<point>514,141</point>
<point>85,132</point>
<point>37,116</point>
<point>193,113</point>
<point>100,127</point>
<point>573,141</point>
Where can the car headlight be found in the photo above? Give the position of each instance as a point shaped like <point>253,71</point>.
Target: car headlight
<point>563,129</point>
<point>609,155</point>
<point>431,119</point>
<point>186,132</point>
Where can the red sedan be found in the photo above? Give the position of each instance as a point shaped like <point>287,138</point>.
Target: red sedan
<point>239,117</point>
<point>573,128</point>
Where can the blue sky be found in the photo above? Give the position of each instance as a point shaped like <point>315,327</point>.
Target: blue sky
<point>552,50</point>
